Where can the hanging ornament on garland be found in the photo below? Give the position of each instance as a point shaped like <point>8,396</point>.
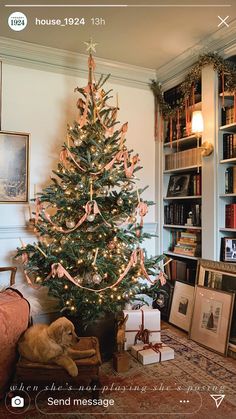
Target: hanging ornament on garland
<point>63,186</point>
<point>97,279</point>
<point>78,142</point>
<point>80,186</point>
<point>120,202</point>
<point>70,224</point>
<point>91,218</point>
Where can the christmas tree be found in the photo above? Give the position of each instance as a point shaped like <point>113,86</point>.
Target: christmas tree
<point>89,221</point>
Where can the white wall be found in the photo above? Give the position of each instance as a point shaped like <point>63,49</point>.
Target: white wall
<point>42,103</point>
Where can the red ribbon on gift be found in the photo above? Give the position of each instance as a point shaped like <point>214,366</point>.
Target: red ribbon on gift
<point>142,334</point>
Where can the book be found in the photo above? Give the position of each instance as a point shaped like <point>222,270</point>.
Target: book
<point>230,216</point>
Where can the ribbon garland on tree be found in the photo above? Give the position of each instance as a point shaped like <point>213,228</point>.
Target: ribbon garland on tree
<point>137,256</point>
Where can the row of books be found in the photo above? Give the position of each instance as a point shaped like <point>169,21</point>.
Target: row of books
<point>196,184</point>
<point>229,146</point>
<point>188,243</point>
<point>228,115</point>
<point>230,215</point>
<point>186,158</point>
<point>230,180</point>
<point>182,271</point>
<point>178,213</point>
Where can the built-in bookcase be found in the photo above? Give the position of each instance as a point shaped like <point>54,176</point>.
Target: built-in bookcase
<point>226,172</point>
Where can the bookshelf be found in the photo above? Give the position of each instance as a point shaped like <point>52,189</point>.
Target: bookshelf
<point>213,197</point>
<point>226,170</point>
<point>184,157</point>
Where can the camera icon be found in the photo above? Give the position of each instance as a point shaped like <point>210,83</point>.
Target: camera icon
<point>17,401</point>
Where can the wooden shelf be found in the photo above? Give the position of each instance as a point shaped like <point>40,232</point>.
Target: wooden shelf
<point>184,140</point>
<point>170,198</point>
<point>181,227</point>
<point>229,127</point>
<point>183,169</point>
<point>230,230</point>
<point>227,195</point>
<point>233,160</point>
<point>169,253</point>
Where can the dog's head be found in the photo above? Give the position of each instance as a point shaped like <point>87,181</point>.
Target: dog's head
<point>62,331</point>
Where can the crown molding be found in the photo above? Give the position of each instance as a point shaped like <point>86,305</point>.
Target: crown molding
<point>222,41</point>
<point>66,62</point>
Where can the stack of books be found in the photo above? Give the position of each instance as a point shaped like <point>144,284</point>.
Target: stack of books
<point>230,180</point>
<point>228,115</point>
<point>229,146</point>
<point>188,244</point>
<point>230,216</point>
<point>186,158</point>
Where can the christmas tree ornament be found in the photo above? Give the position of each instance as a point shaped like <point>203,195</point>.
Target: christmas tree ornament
<point>130,187</point>
<point>63,186</point>
<point>120,202</point>
<point>70,224</point>
<point>91,218</point>
<point>80,186</point>
<point>97,279</point>
<point>78,142</point>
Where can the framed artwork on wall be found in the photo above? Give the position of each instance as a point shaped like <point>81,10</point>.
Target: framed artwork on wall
<point>14,167</point>
<point>211,320</point>
<point>182,305</point>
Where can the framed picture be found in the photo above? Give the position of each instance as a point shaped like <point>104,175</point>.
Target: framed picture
<point>178,185</point>
<point>182,305</point>
<point>14,167</point>
<point>218,275</point>
<point>228,249</point>
<point>211,320</point>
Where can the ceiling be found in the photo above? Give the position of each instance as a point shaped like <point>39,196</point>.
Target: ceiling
<point>144,36</point>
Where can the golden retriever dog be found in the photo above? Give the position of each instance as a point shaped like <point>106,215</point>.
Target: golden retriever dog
<point>53,344</point>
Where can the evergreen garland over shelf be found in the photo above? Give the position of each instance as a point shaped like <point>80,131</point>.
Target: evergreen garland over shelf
<point>225,69</point>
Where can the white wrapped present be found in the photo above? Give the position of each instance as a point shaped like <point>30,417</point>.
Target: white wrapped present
<point>143,325</point>
<point>152,353</point>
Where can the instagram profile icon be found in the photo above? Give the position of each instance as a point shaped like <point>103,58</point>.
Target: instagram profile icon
<point>17,21</point>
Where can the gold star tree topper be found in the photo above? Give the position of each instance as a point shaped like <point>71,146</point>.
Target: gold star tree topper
<point>91,46</point>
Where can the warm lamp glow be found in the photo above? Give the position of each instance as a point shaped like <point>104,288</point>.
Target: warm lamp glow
<point>197,122</point>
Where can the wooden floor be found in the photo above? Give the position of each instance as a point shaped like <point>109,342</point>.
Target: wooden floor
<point>179,332</point>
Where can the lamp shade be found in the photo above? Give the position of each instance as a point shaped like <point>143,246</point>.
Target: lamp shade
<point>197,122</point>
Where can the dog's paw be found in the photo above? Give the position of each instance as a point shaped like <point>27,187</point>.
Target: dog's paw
<point>73,370</point>
<point>91,352</point>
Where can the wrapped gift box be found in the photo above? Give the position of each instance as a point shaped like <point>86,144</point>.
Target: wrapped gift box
<point>147,318</point>
<point>147,356</point>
